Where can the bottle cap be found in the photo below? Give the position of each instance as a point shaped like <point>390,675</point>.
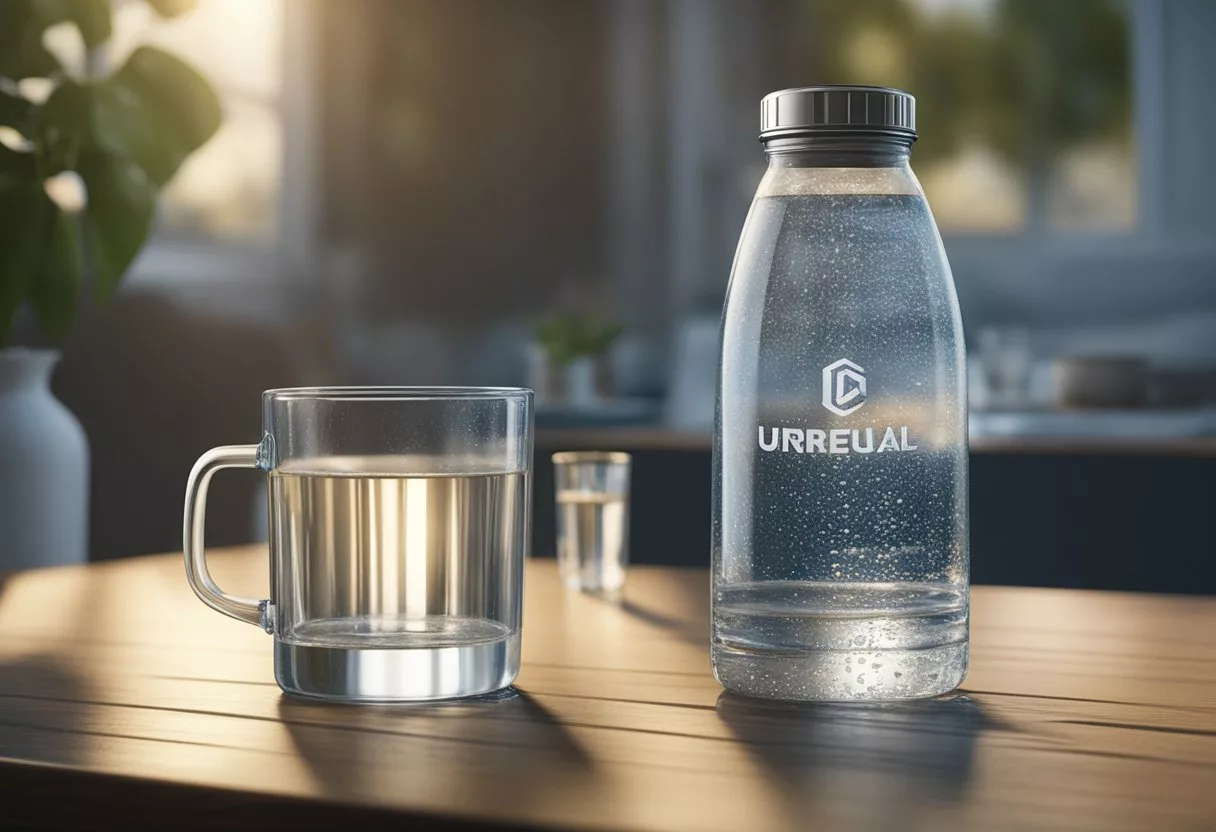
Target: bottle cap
<point>838,110</point>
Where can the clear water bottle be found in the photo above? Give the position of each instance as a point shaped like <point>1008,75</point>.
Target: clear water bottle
<point>840,552</point>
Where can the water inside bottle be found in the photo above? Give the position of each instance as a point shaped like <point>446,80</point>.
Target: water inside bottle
<point>841,509</point>
<point>858,640</point>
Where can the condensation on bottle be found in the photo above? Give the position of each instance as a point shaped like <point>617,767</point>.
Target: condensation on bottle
<point>840,551</point>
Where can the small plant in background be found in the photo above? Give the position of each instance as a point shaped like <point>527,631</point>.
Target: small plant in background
<point>567,337</point>
<point>124,135</point>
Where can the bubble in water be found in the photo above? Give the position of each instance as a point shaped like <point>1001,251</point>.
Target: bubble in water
<point>796,603</point>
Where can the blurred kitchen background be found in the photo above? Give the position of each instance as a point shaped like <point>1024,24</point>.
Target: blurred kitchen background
<point>549,193</point>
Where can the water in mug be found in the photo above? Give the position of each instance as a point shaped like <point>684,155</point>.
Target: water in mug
<point>389,554</point>
<point>840,508</point>
<point>592,538</point>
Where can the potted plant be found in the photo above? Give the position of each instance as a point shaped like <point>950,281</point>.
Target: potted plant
<point>116,139</point>
<point>572,346</point>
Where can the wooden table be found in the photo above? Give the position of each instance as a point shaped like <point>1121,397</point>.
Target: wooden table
<point>125,702</point>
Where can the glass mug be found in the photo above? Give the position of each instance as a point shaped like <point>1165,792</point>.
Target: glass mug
<point>398,527</point>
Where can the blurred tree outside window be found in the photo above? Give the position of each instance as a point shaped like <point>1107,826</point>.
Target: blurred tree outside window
<point>1024,106</point>
<point>229,191</point>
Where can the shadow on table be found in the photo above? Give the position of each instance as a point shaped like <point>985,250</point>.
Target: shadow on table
<point>684,629</point>
<point>27,684</point>
<point>41,677</point>
<point>861,763</point>
<point>505,748</point>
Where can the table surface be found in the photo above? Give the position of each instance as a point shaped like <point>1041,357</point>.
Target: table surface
<point>124,700</point>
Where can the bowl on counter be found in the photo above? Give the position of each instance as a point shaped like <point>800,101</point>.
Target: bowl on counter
<point>1100,382</point>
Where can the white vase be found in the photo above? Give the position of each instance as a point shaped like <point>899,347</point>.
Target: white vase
<point>44,467</point>
<point>582,388</point>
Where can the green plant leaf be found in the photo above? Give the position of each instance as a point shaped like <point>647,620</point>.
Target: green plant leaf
<point>17,169</point>
<point>10,299</point>
<point>13,15</point>
<point>125,128</point>
<point>14,111</point>
<point>602,338</point>
<point>572,335</point>
<point>22,22</point>
<point>22,54</point>
<point>172,8</point>
<point>122,202</point>
<point>92,17</point>
<point>55,284</point>
<point>24,217</point>
<point>65,122</point>
<point>155,111</point>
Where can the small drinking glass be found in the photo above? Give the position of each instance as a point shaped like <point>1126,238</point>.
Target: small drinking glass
<point>1007,361</point>
<point>398,527</point>
<point>592,518</point>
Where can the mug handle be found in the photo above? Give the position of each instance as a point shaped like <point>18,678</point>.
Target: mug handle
<point>194,523</point>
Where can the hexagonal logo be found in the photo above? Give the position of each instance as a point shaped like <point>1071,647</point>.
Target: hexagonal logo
<point>844,387</point>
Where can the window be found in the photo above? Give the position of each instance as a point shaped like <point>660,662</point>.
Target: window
<point>229,190</point>
<point>1024,106</point>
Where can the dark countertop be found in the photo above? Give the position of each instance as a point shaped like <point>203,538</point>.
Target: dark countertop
<point>667,439</point>
<point>1078,512</point>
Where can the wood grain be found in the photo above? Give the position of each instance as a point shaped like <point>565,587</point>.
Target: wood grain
<point>124,702</point>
